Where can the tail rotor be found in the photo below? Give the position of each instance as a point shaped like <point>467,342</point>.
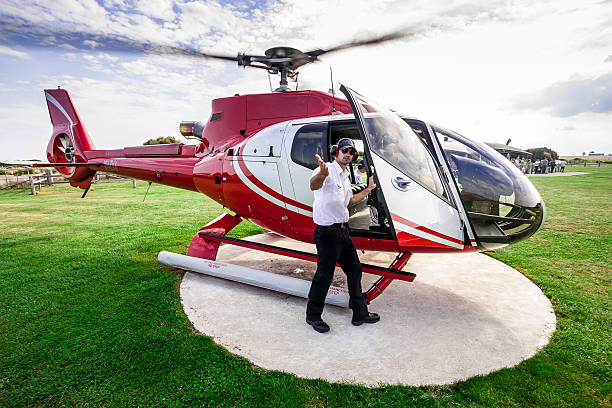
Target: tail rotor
<point>64,152</point>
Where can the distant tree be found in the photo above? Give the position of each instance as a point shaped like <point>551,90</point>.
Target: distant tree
<point>538,153</point>
<point>584,153</point>
<point>162,140</point>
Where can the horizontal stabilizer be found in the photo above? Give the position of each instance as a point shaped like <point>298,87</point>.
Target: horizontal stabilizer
<point>67,165</point>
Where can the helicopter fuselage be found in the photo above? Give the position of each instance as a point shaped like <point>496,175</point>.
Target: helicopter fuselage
<point>256,157</point>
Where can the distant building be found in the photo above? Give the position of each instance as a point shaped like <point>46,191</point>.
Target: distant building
<point>512,151</point>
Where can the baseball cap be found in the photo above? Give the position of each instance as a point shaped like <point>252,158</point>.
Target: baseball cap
<point>344,143</point>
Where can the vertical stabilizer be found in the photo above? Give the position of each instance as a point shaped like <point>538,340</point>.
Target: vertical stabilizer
<point>69,140</point>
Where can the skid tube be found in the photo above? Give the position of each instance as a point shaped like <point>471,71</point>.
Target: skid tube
<point>391,273</point>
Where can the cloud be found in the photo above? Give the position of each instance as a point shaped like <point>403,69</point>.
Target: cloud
<point>465,59</point>
<point>571,97</point>
<point>14,53</point>
<point>609,59</point>
<point>219,27</point>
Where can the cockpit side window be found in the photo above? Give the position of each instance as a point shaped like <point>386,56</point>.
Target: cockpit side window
<point>309,140</point>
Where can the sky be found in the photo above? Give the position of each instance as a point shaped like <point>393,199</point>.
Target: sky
<point>536,72</point>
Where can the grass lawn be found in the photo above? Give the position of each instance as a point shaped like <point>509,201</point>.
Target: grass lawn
<point>90,318</point>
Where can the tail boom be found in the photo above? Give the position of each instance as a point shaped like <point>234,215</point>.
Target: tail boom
<point>72,148</point>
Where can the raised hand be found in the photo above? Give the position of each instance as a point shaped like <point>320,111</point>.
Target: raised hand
<point>322,166</point>
<point>316,181</point>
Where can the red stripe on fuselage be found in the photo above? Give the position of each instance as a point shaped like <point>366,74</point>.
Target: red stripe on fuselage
<point>397,218</point>
<point>267,189</point>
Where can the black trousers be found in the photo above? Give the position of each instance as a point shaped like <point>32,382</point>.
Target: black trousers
<point>335,245</point>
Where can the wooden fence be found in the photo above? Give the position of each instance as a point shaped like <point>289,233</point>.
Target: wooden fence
<point>588,164</point>
<point>48,179</point>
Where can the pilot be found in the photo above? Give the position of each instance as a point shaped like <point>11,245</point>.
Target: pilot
<point>332,197</point>
<point>361,170</point>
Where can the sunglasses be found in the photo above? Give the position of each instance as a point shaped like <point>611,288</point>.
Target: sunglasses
<point>348,149</point>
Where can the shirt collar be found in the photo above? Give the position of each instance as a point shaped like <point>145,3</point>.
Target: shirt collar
<point>343,173</point>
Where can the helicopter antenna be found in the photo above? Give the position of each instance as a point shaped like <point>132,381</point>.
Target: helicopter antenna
<point>269,81</point>
<point>331,75</point>
<point>147,192</point>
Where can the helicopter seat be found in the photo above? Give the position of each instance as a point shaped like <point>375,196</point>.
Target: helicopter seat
<point>358,210</point>
<point>357,188</point>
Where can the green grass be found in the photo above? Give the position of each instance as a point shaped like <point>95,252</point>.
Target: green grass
<point>90,318</point>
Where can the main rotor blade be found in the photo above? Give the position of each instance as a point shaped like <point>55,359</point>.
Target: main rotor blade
<point>15,31</point>
<point>396,35</point>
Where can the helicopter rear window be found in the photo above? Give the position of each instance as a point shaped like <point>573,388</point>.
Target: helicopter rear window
<point>308,141</point>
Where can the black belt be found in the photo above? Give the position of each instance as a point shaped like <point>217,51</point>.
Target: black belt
<point>336,225</point>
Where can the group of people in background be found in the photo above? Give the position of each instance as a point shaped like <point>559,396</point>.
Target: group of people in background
<point>543,166</point>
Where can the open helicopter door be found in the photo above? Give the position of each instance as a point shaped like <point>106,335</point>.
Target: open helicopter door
<point>415,198</point>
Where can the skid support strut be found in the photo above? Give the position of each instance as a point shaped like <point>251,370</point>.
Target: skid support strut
<point>292,253</point>
<point>381,284</point>
<point>200,247</point>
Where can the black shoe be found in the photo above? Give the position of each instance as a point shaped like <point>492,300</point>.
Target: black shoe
<point>370,318</point>
<point>319,325</point>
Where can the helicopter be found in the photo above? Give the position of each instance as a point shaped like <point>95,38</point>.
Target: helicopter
<point>437,190</point>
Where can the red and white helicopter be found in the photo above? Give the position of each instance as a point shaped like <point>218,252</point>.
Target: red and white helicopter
<point>438,191</point>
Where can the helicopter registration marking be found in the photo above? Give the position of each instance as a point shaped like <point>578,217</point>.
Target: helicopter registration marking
<point>112,163</point>
<point>216,265</point>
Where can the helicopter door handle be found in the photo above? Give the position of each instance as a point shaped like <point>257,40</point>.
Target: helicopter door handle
<point>400,183</point>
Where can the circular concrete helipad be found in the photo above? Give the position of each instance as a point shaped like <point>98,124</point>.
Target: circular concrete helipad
<point>464,315</point>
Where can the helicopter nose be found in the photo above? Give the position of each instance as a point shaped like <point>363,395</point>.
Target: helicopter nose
<point>502,205</point>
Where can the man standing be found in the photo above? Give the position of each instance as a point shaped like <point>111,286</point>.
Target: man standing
<point>332,197</point>
<point>361,170</point>
<point>544,165</point>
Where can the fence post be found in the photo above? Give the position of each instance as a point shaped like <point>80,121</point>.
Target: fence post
<point>49,178</point>
<point>133,183</point>
<point>32,187</point>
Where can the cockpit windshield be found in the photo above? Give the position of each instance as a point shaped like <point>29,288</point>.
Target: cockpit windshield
<point>394,140</point>
<point>501,202</point>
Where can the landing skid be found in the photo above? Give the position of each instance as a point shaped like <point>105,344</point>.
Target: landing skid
<point>202,254</point>
<point>254,277</point>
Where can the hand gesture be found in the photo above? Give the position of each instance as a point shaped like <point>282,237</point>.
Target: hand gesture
<point>322,166</point>
<point>371,184</point>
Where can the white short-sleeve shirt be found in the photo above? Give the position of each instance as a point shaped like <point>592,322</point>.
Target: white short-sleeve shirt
<point>358,176</point>
<point>331,200</point>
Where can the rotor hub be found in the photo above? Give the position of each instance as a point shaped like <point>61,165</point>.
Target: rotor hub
<point>283,52</point>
